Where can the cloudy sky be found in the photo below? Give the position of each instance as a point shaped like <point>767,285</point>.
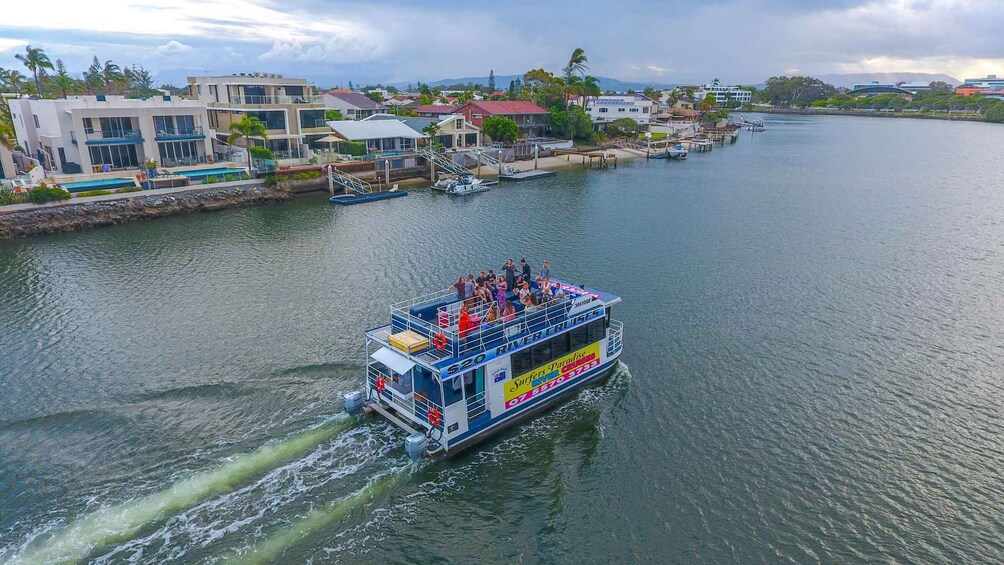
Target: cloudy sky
<point>331,42</point>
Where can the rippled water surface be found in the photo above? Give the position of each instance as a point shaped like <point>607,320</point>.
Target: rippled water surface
<point>813,369</point>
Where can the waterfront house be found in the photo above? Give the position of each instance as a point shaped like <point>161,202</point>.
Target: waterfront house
<point>605,109</point>
<point>7,168</point>
<point>725,95</point>
<point>454,131</point>
<point>989,82</point>
<point>292,113</point>
<point>353,105</point>
<point>379,135</point>
<point>435,110</point>
<point>87,134</point>
<point>530,118</point>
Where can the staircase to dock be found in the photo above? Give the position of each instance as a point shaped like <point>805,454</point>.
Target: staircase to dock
<point>442,163</point>
<point>494,163</point>
<point>348,182</point>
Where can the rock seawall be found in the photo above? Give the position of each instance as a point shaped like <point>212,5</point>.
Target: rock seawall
<point>70,216</point>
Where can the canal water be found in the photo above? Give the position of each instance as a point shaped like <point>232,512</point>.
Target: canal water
<point>813,369</point>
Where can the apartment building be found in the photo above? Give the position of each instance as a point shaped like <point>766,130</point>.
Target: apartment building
<point>88,134</point>
<point>291,111</point>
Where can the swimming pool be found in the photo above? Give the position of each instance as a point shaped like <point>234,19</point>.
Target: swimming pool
<point>203,173</point>
<point>97,184</point>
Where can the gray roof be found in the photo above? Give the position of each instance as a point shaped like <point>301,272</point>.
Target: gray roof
<point>373,129</point>
<point>357,99</point>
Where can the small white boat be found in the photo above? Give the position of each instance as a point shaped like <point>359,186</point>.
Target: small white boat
<point>464,183</point>
<point>678,152</point>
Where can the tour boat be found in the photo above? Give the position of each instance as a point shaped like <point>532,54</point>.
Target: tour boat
<point>678,152</point>
<point>450,387</point>
<point>464,183</point>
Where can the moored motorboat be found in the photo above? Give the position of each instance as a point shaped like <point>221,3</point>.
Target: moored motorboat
<point>678,151</point>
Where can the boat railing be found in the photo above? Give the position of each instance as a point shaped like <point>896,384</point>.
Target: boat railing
<point>476,405</point>
<point>615,334</point>
<point>456,344</point>
<point>414,404</point>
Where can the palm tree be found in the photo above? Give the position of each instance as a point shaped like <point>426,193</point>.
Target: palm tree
<point>431,130</point>
<point>577,63</point>
<point>245,129</point>
<point>110,75</point>
<point>35,60</point>
<point>12,80</point>
<point>590,87</point>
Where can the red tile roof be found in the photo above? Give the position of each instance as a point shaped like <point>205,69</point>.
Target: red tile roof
<point>436,109</point>
<point>509,107</point>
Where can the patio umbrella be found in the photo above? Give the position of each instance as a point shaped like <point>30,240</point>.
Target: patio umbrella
<point>329,139</point>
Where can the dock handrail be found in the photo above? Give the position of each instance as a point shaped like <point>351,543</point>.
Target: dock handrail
<point>442,162</point>
<point>347,181</point>
<point>615,335</point>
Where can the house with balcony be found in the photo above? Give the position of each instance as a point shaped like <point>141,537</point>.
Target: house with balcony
<point>435,110</point>
<point>454,131</point>
<point>531,119</point>
<point>353,105</point>
<point>292,112</point>
<point>89,134</point>
<point>605,109</point>
<point>729,96</point>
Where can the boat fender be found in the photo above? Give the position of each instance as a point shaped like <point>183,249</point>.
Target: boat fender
<point>439,340</point>
<point>435,418</point>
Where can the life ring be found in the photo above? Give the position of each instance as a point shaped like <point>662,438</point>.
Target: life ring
<point>435,418</point>
<point>439,340</point>
<point>381,383</point>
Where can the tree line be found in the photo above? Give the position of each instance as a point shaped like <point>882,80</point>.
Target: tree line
<point>46,78</point>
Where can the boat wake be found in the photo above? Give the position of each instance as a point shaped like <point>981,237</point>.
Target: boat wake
<point>121,522</point>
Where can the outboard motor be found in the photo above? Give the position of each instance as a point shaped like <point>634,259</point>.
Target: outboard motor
<point>415,445</point>
<point>353,402</point>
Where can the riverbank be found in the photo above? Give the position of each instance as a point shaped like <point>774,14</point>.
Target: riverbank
<point>24,220</point>
<point>872,114</point>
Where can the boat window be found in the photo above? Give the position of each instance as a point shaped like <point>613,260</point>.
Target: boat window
<point>596,330</point>
<point>453,389</point>
<point>559,345</point>
<point>579,337</point>
<point>541,353</point>
<point>521,362</point>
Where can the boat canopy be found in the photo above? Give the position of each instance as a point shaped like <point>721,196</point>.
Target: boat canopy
<point>394,361</point>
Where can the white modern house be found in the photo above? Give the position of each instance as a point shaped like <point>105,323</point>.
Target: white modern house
<point>453,131</point>
<point>605,109</point>
<point>725,95</point>
<point>292,113</point>
<point>88,134</point>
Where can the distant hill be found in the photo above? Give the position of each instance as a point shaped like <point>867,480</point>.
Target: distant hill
<point>502,83</point>
<point>848,80</point>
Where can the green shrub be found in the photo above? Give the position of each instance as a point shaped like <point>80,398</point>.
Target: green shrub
<point>261,152</point>
<point>43,194</point>
<point>354,148</point>
<point>211,179</point>
<point>125,189</point>
<point>300,175</point>
<point>8,196</point>
<point>93,193</point>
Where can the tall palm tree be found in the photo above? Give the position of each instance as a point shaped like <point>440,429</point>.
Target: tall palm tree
<point>577,63</point>
<point>245,129</point>
<point>35,60</point>
<point>111,74</point>
<point>12,81</point>
<point>590,87</point>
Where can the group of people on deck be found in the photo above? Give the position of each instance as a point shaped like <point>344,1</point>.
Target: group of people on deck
<point>490,291</point>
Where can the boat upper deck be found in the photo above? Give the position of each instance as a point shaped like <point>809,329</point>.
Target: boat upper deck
<point>433,321</point>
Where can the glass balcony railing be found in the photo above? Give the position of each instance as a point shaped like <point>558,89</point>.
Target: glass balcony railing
<point>269,100</point>
<point>109,134</point>
<point>175,132</point>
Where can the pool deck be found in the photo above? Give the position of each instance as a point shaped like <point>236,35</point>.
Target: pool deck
<point>127,195</point>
